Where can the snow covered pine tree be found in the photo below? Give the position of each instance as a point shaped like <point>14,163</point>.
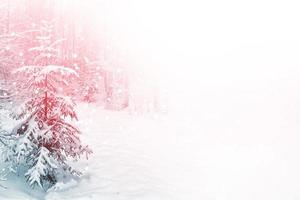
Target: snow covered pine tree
<point>41,145</point>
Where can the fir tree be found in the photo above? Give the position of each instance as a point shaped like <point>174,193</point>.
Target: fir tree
<point>40,146</point>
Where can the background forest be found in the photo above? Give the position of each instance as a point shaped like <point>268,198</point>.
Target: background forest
<point>64,33</point>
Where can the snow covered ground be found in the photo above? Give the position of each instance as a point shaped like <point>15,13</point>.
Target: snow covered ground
<point>239,142</point>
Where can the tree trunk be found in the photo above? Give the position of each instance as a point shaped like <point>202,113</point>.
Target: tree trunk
<point>8,17</point>
<point>46,99</point>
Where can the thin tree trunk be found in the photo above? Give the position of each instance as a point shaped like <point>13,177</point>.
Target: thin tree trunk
<point>8,17</point>
<point>46,99</point>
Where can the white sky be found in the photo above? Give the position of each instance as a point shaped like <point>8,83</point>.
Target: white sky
<point>189,44</point>
<point>209,42</point>
<point>254,33</point>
